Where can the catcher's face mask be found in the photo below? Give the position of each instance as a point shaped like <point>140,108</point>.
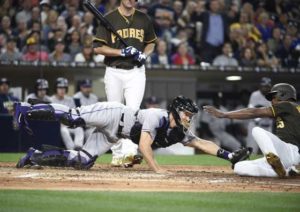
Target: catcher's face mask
<point>186,118</point>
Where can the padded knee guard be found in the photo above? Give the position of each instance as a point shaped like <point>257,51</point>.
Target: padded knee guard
<point>41,112</point>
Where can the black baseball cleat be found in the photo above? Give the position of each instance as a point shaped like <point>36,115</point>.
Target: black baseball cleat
<point>240,155</point>
<point>25,160</point>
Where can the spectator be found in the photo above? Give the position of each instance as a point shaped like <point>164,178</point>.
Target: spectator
<point>58,34</point>
<point>25,13</point>
<point>88,19</point>
<point>6,99</point>
<point>62,25</point>
<point>87,55</point>
<point>50,25</point>
<point>177,7</point>
<point>106,6</point>
<point>76,23</point>
<point>264,27</point>
<point>214,31</point>
<point>161,55</point>
<point>5,27</point>
<point>35,16</point>
<point>284,53</point>
<point>58,54</point>
<point>70,12</point>
<point>11,53</point>
<point>186,15</point>
<point>266,58</point>
<point>33,53</point>
<point>163,15</point>
<point>275,42</point>
<point>46,8</point>
<point>74,46</point>
<point>182,57</point>
<point>41,89</point>
<point>248,58</point>
<point>36,35</point>
<point>257,100</point>
<point>21,33</point>
<point>226,58</point>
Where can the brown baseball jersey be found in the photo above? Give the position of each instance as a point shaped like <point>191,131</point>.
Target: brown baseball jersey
<point>287,115</point>
<point>137,30</point>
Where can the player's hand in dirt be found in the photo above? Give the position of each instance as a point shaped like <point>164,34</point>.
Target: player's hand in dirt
<point>214,111</point>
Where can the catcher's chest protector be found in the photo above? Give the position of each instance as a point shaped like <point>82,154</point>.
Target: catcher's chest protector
<point>164,135</point>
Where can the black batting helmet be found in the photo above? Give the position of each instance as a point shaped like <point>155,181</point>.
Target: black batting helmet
<point>283,91</point>
<point>181,103</point>
<point>41,84</point>
<point>62,82</point>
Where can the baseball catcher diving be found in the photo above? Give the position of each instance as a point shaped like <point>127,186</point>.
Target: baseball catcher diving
<point>149,128</point>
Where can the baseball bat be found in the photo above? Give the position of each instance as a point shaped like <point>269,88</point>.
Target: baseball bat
<point>103,20</point>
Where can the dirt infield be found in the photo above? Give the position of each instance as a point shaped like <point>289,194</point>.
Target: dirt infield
<point>140,178</point>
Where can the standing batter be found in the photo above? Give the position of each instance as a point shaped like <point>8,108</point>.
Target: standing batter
<point>60,97</point>
<point>125,77</point>
<point>281,151</point>
<point>149,128</point>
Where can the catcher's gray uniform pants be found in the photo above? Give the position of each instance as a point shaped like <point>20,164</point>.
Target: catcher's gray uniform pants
<point>105,116</point>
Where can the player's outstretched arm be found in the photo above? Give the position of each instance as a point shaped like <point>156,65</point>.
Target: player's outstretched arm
<point>247,113</point>
<point>205,146</point>
<point>145,148</point>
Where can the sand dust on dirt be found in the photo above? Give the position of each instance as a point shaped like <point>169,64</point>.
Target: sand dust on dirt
<point>140,178</point>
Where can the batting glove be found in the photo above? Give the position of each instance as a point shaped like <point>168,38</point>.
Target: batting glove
<point>140,57</point>
<point>129,51</point>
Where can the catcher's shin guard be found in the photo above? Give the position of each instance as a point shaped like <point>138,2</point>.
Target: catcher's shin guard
<point>26,159</point>
<point>54,157</point>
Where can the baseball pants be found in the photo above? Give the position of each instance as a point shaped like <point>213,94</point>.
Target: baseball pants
<point>268,143</point>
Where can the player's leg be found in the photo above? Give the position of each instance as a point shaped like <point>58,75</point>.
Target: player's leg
<point>255,168</point>
<point>113,85</point>
<point>134,88</point>
<point>78,137</point>
<point>96,145</point>
<point>280,155</point>
<point>66,137</point>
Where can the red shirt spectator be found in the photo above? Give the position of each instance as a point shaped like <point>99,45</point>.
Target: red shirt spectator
<point>33,53</point>
<point>182,57</point>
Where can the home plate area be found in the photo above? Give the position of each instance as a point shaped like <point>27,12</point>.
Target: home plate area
<point>140,178</point>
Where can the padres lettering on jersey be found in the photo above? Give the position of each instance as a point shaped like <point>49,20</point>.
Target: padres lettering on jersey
<point>129,33</point>
<point>137,30</point>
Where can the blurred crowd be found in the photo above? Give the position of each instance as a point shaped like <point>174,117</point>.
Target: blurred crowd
<point>245,33</point>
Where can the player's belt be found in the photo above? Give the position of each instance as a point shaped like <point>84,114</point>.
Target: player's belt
<point>126,67</point>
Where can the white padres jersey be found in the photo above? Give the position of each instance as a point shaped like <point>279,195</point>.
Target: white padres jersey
<point>91,99</point>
